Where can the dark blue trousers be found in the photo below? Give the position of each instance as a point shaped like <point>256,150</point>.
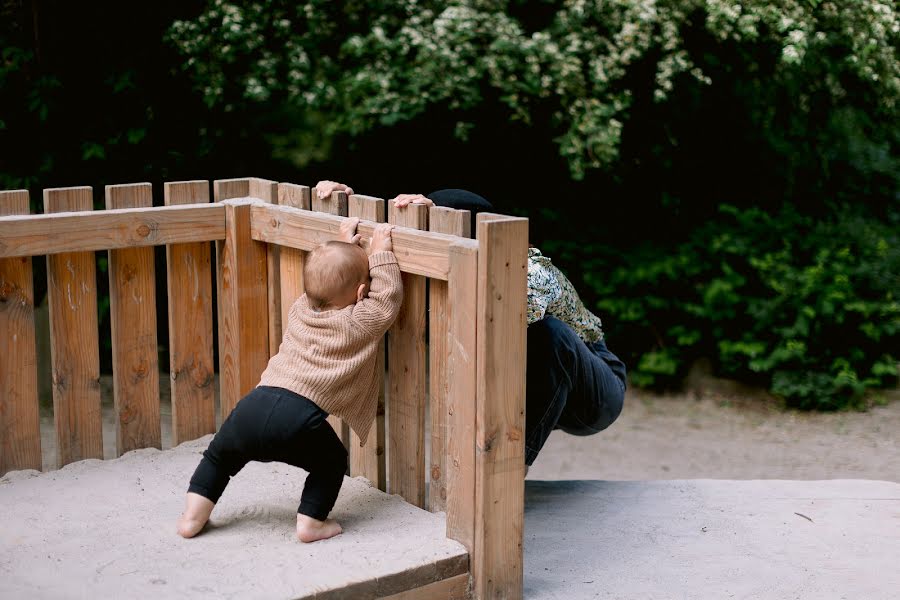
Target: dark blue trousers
<point>570,385</point>
<point>274,424</point>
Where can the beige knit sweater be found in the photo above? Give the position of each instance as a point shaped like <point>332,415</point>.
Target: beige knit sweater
<point>330,356</point>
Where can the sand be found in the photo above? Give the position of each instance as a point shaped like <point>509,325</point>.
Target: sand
<point>637,528</point>
<point>106,529</point>
<point>723,435</point>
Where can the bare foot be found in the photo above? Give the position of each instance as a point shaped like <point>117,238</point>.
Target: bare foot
<point>311,530</point>
<point>196,513</point>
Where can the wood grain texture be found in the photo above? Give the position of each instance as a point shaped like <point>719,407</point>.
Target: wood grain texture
<point>243,304</point>
<point>500,424</point>
<point>291,265</point>
<point>369,460</point>
<point>452,222</point>
<point>406,377</point>
<point>191,364</point>
<point>419,252</point>
<point>454,588</point>
<point>461,395</point>
<point>335,204</point>
<point>132,309</point>
<point>110,229</point>
<point>74,346</point>
<point>267,191</point>
<point>20,433</point>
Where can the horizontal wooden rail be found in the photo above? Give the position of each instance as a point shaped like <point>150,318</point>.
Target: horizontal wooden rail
<point>83,231</point>
<point>418,252</point>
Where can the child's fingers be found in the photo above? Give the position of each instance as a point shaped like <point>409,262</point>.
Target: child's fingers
<point>356,238</point>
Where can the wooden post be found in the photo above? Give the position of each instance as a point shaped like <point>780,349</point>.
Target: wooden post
<point>291,262</point>
<point>74,346</point>
<point>20,426</point>
<point>132,308</point>
<point>500,423</point>
<point>268,191</point>
<point>368,460</point>
<point>406,376</point>
<point>453,222</point>
<point>243,302</point>
<point>461,397</point>
<point>336,204</point>
<point>191,365</point>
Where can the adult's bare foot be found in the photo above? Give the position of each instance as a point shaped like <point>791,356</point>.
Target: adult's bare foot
<point>312,530</point>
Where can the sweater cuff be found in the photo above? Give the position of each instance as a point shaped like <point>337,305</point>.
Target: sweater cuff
<point>381,258</point>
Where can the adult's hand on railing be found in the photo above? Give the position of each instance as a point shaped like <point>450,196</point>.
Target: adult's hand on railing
<point>407,199</point>
<point>325,187</point>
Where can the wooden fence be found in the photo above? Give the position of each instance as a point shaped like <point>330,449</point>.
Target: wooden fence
<point>469,378</point>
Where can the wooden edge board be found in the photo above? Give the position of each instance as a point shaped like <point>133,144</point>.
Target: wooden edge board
<point>418,252</point>
<point>84,231</point>
<point>451,572</point>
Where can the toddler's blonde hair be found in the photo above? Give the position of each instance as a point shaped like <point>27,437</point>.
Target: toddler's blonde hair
<point>333,269</point>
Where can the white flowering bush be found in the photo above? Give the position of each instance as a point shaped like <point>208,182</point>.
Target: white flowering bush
<point>360,66</point>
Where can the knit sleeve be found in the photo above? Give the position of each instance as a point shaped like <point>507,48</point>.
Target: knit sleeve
<point>376,312</point>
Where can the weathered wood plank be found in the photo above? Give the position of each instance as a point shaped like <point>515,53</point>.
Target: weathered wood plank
<point>369,460</point>
<point>132,308</point>
<point>418,252</point>
<point>406,377</point>
<point>74,346</point>
<point>189,284</point>
<point>267,191</point>
<point>291,266</point>
<point>33,235</point>
<point>335,204</point>
<point>461,394</point>
<point>454,588</point>
<point>20,429</point>
<point>500,424</point>
<point>452,222</point>
<point>243,304</point>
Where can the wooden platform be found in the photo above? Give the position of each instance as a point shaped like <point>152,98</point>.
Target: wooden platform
<point>107,530</point>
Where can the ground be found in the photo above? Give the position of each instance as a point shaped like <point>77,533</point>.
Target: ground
<point>717,429</point>
<point>720,435</point>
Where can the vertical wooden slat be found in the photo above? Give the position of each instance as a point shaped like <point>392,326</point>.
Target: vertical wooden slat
<point>500,423</point>
<point>243,316</point>
<point>268,191</point>
<point>461,372</point>
<point>406,377</point>
<point>368,460</point>
<point>336,204</point>
<point>191,365</point>
<point>225,189</point>
<point>453,222</point>
<point>291,263</point>
<point>20,427</point>
<point>72,298</point>
<point>132,308</point>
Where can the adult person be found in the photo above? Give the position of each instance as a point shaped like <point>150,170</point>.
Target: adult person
<point>573,382</point>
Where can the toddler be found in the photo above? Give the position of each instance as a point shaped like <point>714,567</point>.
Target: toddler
<point>326,364</point>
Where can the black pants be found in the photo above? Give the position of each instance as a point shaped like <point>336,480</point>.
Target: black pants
<point>274,424</point>
<point>570,385</point>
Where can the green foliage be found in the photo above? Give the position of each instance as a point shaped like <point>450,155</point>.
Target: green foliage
<point>810,308</point>
<point>368,68</point>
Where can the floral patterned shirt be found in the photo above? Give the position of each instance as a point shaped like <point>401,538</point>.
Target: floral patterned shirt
<point>551,293</point>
